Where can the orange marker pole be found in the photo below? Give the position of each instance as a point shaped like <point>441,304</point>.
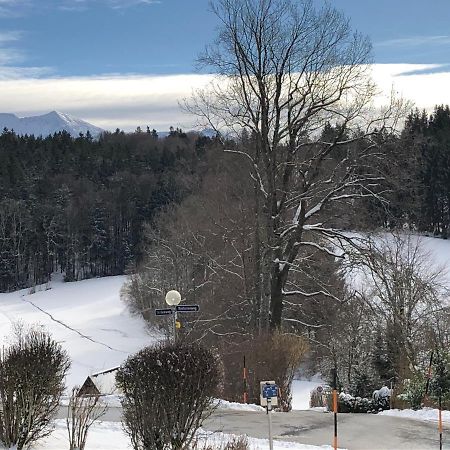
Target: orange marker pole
<point>245,396</point>
<point>335,409</point>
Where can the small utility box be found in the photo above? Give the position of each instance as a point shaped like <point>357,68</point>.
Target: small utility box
<point>268,391</point>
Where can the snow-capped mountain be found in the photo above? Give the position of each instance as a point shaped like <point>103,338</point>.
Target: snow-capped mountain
<point>47,124</point>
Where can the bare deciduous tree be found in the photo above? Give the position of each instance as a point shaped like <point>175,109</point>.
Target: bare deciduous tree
<point>32,373</point>
<point>82,412</point>
<point>285,70</point>
<point>404,289</point>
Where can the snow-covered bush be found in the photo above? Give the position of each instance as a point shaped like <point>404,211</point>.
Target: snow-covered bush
<point>348,403</point>
<point>32,373</point>
<point>168,391</point>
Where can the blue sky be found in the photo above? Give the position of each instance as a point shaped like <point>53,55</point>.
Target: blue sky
<point>44,40</point>
<point>86,37</point>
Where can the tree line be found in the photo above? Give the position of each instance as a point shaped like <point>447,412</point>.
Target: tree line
<point>78,205</point>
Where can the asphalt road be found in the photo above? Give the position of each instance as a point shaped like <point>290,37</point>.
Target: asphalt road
<point>356,431</point>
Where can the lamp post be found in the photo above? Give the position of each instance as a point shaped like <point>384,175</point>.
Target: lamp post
<point>173,299</point>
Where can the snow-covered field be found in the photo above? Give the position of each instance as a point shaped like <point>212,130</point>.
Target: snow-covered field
<point>86,317</point>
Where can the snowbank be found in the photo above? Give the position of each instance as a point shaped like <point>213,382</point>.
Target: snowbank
<point>224,404</point>
<point>426,414</point>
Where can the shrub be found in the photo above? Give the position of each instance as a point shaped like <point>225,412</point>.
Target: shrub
<point>349,404</point>
<point>237,443</point>
<point>168,391</point>
<point>32,372</point>
<point>413,391</point>
<point>270,357</point>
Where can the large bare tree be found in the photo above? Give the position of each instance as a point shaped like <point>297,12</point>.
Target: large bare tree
<point>406,292</point>
<point>284,71</point>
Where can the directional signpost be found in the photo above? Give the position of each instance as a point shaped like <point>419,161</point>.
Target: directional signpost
<point>269,398</point>
<point>173,299</point>
<point>188,308</point>
<point>164,312</point>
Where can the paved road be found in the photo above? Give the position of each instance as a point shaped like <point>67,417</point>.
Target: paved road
<point>356,431</point>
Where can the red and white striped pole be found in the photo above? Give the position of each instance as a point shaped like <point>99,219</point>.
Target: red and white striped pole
<point>244,374</point>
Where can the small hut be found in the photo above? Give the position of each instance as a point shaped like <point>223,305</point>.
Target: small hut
<point>100,383</point>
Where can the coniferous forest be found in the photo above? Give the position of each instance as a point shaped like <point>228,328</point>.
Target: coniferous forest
<point>78,205</point>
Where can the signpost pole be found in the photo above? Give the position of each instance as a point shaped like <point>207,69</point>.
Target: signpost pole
<point>440,421</point>
<point>269,413</point>
<point>174,326</point>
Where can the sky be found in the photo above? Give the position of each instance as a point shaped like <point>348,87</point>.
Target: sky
<point>127,63</point>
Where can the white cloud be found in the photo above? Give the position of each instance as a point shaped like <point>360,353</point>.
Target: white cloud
<point>107,101</point>
<point>126,101</point>
<point>414,41</point>
<point>13,8</point>
<point>9,36</point>
<point>83,5</point>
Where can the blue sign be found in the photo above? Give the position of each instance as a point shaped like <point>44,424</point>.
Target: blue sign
<point>270,391</point>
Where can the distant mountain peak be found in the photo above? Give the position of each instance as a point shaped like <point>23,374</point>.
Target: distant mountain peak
<point>47,124</point>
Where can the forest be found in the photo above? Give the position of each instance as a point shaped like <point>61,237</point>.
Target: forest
<point>79,205</point>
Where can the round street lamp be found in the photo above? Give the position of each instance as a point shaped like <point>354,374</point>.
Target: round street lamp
<point>173,298</point>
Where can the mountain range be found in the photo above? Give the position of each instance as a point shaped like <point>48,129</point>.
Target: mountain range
<point>47,124</point>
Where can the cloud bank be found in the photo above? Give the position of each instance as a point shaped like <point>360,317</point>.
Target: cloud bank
<point>128,101</point>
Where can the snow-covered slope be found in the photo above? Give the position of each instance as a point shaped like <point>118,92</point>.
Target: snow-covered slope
<point>47,124</point>
<point>86,317</point>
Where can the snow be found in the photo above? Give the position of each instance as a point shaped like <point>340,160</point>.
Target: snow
<point>426,414</point>
<point>87,317</point>
<point>110,436</point>
<point>224,404</point>
<point>301,390</point>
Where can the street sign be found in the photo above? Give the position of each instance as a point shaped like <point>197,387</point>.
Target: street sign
<point>270,391</point>
<point>164,312</point>
<point>188,308</point>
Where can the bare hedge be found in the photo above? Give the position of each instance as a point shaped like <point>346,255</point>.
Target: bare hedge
<point>168,391</point>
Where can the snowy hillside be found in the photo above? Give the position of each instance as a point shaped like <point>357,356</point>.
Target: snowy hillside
<point>86,317</point>
<point>47,124</point>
